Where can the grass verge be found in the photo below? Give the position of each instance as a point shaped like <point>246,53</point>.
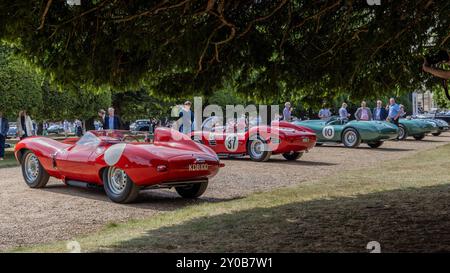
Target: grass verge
<point>403,204</point>
<point>9,160</point>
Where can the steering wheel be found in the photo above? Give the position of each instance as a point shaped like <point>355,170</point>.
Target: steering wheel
<point>133,138</point>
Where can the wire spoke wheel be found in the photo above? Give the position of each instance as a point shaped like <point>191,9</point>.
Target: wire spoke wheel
<point>117,180</point>
<point>32,168</point>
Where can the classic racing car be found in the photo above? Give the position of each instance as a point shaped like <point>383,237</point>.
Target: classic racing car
<point>442,125</point>
<point>258,141</point>
<point>351,133</point>
<point>119,162</point>
<point>417,128</point>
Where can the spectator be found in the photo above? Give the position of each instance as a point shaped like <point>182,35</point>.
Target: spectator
<point>66,128</point>
<point>187,118</point>
<point>101,115</point>
<point>380,113</point>
<point>112,122</point>
<point>343,113</point>
<point>24,125</point>
<point>325,112</point>
<point>287,112</point>
<point>363,113</point>
<point>4,128</point>
<point>78,128</point>
<point>394,112</point>
<point>402,111</point>
<point>45,128</point>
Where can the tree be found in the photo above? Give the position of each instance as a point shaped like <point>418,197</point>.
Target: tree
<point>19,86</point>
<point>313,49</point>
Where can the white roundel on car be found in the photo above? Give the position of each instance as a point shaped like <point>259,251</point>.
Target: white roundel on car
<point>328,132</point>
<point>114,153</point>
<point>232,142</point>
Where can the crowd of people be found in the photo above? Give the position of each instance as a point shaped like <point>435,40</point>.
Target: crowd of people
<point>392,112</point>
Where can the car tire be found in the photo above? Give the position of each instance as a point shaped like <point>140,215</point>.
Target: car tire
<point>402,132</point>
<point>34,174</point>
<point>253,149</point>
<point>419,137</point>
<point>351,138</point>
<point>375,144</point>
<point>437,134</point>
<point>118,186</point>
<point>319,143</point>
<point>192,191</point>
<point>292,156</point>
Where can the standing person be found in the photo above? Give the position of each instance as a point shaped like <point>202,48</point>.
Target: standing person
<point>287,112</point>
<point>394,112</point>
<point>187,118</point>
<point>325,112</point>
<point>24,125</point>
<point>343,113</point>
<point>379,113</point>
<point>402,111</point>
<point>363,113</point>
<point>4,128</point>
<point>45,128</point>
<point>66,128</point>
<point>112,122</point>
<point>101,114</point>
<point>78,128</point>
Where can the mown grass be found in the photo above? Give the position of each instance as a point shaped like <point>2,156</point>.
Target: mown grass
<point>9,160</point>
<point>404,204</point>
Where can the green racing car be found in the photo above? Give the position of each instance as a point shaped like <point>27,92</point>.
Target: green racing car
<point>351,133</point>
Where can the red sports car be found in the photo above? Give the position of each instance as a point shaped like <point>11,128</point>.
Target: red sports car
<point>119,162</point>
<point>259,141</point>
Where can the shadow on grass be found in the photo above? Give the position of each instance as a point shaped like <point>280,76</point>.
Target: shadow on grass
<point>363,147</point>
<point>409,220</point>
<point>163,200</point>
<point>299,162</point>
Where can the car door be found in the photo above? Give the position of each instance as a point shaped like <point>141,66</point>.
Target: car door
<point>332,130</point>
<point>76,163</point>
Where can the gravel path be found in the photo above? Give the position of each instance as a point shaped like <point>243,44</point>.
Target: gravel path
<point>59,212</point>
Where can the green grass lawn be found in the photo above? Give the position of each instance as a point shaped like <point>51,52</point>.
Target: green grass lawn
<point>10,160</point>
<point>402,204</point>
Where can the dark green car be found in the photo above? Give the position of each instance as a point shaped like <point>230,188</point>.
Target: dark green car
<point>351,133</point>
<point>417,128</point>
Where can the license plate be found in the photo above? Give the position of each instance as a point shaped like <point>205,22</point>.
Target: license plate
<point>306,140</point>
<point>198,167</point>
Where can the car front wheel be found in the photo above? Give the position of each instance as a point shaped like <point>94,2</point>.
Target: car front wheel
<point>192,191</point>
<point>351,138</point>
<point>34,174</point>
<point>402,132</point>
<point>436,134</point>
<point>292,156</point>
<point>419,137</point>
<point>118,186</point>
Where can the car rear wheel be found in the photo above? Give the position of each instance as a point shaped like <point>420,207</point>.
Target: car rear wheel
<point>351,138</point>
<point>34,174</point>
<point>319,143</point>
<point>402,132</point>
<point>118,186</point>
<point>192,191</point>
<point>257,149</point>
<point>375,144</point>
<point>292,156</point>
<point>436,134</point>
<point>419,137</point>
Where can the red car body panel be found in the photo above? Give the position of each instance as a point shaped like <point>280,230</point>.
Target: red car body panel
<point>172,157</point>
<point>292,138</point>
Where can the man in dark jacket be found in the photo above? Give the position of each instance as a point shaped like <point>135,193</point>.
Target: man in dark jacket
<point>112,122</point>
<point>379,112</point>
<point>4,128</point>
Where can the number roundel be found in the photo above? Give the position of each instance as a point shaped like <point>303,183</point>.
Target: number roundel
<point>328,132</point>
<point>232,142</point>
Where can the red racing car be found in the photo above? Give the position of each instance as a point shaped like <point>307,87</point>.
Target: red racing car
<point>259,141</point>
<point>119,162</point>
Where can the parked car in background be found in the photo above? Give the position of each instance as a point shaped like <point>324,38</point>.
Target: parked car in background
<point>12,133</point>
<point>141,125</point>
<point>351,133</point>
<point>417,128</point>
<point>55,129</point>
<point>442,125</point>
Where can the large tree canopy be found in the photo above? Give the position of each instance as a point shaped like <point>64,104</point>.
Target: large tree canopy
<point>270,48</point>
